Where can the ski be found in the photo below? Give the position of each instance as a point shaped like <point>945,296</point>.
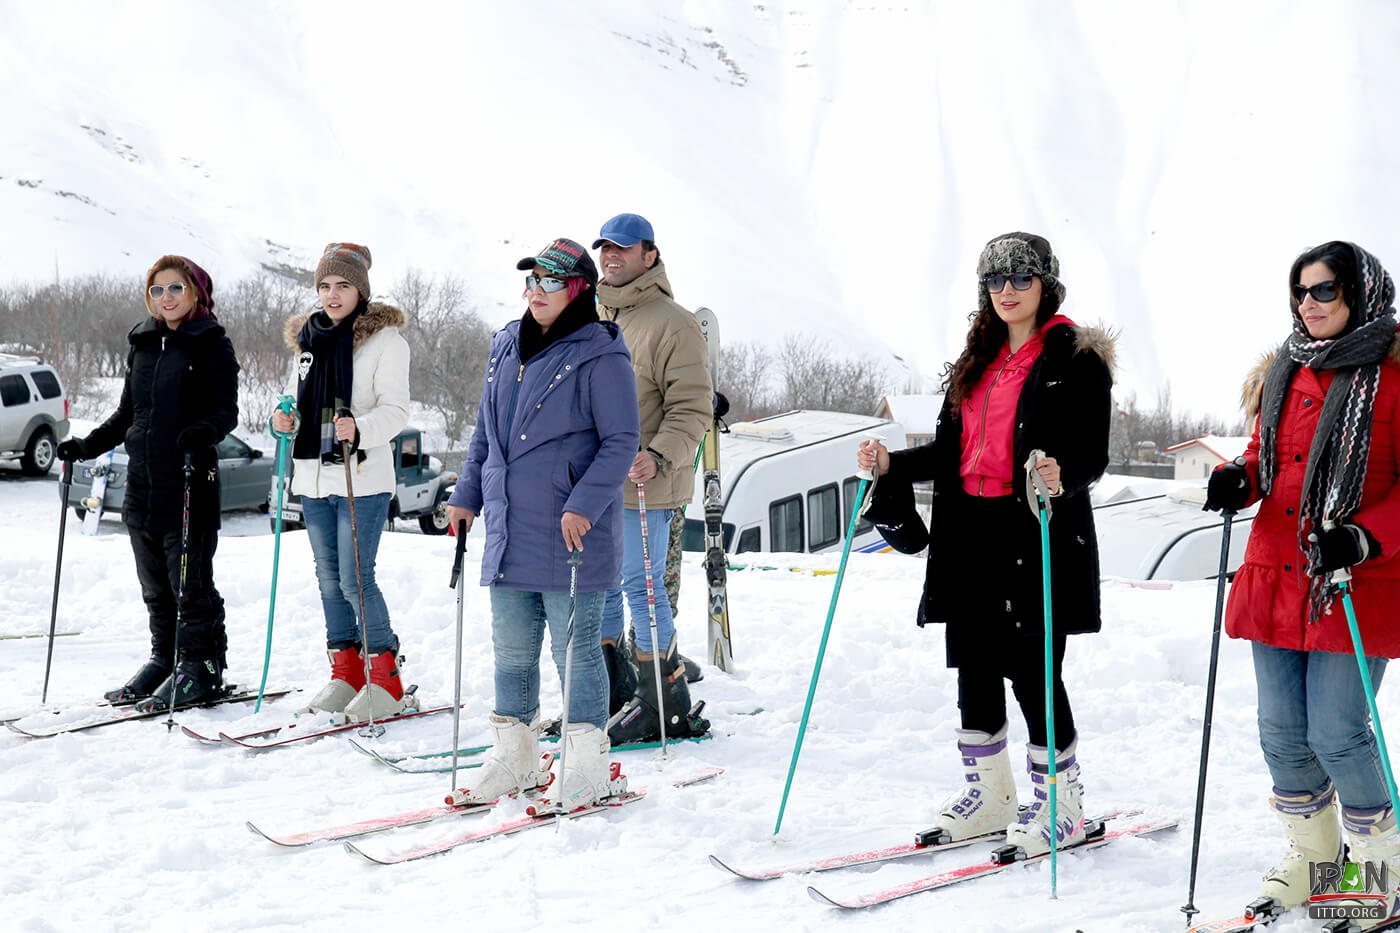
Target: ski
<point>1097,837</point>
<point>925,842</point>
<point>17,635</point>
<point>429,762</point>
<point>519,824</point>
<point>716,566</point>
<point>1251,920</point>
<point>365,827</point>
<point>278,736</point>
<point>44,725</point>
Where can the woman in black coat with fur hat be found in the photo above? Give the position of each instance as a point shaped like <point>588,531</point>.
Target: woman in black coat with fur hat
<point>1028,379</point>
<point>180,398</point>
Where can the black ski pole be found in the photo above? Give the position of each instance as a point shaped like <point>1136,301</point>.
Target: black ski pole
<point>65,482</point>
<point>1228,517</point>
<point>460,585</point>
<point>370,730</point>
<point>180,596</point>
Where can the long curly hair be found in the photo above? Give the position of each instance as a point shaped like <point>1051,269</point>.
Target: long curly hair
<point>984,340</point>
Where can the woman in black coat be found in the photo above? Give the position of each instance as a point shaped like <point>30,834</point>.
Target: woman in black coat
<point>179,399</point>
<point>1028,379</point>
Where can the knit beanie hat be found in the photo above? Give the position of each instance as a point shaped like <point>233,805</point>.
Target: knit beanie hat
<point>350,261</point>
<point>1013,253</point>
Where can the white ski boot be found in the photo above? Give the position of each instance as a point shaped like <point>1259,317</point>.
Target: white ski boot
<point>1375,842</point>
<point>1314,835</point>
<point>590,777</point>
<point>347,679</point>
<point>1032,830</point>
<point>987,800</point>
<point>515,764</point>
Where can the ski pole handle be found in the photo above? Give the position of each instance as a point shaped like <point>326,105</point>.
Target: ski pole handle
<point>1341,574</point>
<point>286,404</point>
<point>869,475</point>
<point>459,552</point>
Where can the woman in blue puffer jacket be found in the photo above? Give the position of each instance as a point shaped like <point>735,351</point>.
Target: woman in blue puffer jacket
<point>556,432</point>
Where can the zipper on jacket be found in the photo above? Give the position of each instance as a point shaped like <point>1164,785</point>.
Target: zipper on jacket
<point>510,409</point>
<point>155,381</point>
<point>986,401</point>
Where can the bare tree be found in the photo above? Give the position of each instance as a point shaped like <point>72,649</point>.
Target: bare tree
<point>745,379</point>
<point>450,343</point>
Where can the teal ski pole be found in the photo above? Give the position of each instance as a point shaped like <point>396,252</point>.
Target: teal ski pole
<point>1342,578</point>
<point>866,478</point>
<point>286,404</point>
<point>1039,494</point>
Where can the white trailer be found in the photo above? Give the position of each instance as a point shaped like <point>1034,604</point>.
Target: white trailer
<point>789,483</point>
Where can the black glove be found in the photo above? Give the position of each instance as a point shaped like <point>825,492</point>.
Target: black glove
<point>196,437</point>
<point>1343,546</point>
<point>72,449</point>
<point>1228,489</point>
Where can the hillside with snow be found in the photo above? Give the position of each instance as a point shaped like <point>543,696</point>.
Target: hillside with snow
<point>814,164</point>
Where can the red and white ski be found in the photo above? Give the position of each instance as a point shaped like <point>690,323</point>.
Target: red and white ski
<point>278,736</point>
<point>376,825</point>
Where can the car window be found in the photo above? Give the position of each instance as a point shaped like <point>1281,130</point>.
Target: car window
<point>231,448</point>
<point>47,382</point>
<point>13,390</point>
<point>410,453</point>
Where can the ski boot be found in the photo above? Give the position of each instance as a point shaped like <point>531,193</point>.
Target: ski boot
<point>151,675</point>
<point>1314,835</point>
<point>1375,846</point>
<point>986,802</point>
<point>347,679</point>
<point>384,695</point>
<point>515,765</point>
<point>639,720</point>
<point>194,681</point>
<point>590,777</point>
<point>1031,832</point>
<point>622,677</point>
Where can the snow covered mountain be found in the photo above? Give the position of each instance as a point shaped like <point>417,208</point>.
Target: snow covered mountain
<point>833,167</point>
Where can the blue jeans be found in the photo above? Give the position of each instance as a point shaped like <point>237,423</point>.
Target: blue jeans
<point>634,580</point>
<point>518,619</point>
<point>328,526</point>
<point>1314,725</point>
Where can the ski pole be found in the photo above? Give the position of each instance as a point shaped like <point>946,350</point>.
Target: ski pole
<point>1228,516</point>
<point>180,597</point>
<point>460,585</point>
<point>866,478</point>
<point>285,404</point>
<point>575,558</point>
<point>651,614</point>
<point>65,482</point>
<point>1342,578</point>
<point>370,730</point>
<point>1035,484</point>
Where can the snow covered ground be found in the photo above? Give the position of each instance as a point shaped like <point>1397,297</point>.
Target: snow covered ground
<point>128,827</point>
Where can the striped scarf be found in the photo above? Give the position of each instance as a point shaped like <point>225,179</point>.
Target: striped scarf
<point>1336,468</point>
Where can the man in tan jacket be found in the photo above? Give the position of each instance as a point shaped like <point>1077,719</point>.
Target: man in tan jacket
<point>675,398</point>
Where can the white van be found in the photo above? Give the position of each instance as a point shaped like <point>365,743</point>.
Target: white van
<point>789,482</point>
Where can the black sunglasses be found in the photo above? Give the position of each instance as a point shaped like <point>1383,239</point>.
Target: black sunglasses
<point>1321,292</point>
<point>1020,281</point>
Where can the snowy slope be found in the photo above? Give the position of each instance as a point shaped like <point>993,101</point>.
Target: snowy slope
<point>834,163</point>
<point>128,827</point>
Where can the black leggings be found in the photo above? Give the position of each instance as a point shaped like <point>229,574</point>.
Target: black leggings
<point>982,695</point>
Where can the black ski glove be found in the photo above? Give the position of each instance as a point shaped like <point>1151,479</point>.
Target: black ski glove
<point>196,437</point>
<point>1228,489</point>
<point>72,449</point>
<point>1343,546</point>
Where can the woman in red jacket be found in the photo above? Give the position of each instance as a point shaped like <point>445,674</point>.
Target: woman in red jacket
<point>1324,465</point>
<point>1028,379</point>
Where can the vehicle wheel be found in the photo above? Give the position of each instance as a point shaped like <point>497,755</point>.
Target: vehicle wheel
<point>435,522</point>
<point>39,454</point>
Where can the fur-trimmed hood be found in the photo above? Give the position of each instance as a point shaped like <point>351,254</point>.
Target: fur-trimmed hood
<point>375,318</point>
<point>1098,339</point>
<point>1253,387</point>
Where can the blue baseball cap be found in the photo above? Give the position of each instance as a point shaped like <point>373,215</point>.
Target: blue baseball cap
<point>625,230</point>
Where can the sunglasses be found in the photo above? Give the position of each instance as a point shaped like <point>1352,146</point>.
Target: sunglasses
<point>548,283</point>
<point>175,290</point>
<point>1020,281</point>
<point>1322,292</point>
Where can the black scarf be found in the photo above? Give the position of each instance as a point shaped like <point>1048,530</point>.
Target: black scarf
<point>326,368</point>
<point>580,312</point>
<point>1336,469</point>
